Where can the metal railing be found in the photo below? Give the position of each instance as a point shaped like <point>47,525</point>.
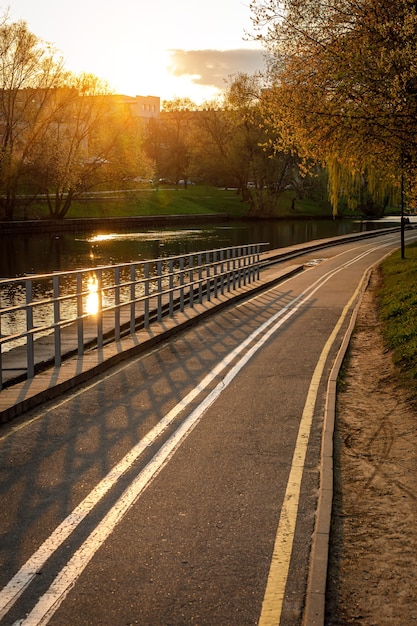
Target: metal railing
<point>85,308</point>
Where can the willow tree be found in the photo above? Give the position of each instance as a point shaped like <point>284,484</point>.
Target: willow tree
<point>343,87</point>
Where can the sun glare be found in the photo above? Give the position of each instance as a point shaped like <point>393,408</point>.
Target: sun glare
<point>104,237</point>
<point>92,303</point>
<point>131,48</point>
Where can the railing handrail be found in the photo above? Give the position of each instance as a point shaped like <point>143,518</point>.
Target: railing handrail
<point>166,283</point>
<point>50,275</point>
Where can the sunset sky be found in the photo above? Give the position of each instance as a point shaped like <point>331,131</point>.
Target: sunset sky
<point>166,48</point>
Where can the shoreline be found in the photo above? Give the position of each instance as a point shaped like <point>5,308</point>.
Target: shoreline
<point>87,223</point>
<point>125,222</point>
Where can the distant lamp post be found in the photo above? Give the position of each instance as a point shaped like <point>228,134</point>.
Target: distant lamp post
<point>402,210</point>
<point>403,219</point>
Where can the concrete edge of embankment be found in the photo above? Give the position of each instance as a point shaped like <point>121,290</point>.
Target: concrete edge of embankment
<point>314,611</point>
<point>53,382</point>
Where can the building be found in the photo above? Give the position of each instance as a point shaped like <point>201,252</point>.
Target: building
<point>146,107</point>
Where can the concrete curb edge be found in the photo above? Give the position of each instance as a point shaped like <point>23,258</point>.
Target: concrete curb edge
<point>314,612</point>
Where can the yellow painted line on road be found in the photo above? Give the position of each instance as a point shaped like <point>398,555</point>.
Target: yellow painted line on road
<point>281,556</point>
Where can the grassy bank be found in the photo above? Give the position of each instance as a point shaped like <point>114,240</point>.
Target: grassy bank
<point>197,199</point>
<point>397,300</point>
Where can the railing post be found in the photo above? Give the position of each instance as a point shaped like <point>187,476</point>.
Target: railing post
<point>182,284</point>
<point>29,328</point>
<point>249,271</point>
<point>191,279</point>
<point>57,321</point>
<point>80,313</point>
<point>255,267</point>
<point>215,268</point>
<point>228,263</point>
<point>258,266</point>
<point>132,299</point>
<point>159,286</point>
<point>208,285</point>
<point>239,265</point>
<point>222,272</point>
<point>200,278</point>
<point>146,302</point>
<point>171,287</point>
<point>234,252</point>
<point>99,309</point>
<point>117,303</point>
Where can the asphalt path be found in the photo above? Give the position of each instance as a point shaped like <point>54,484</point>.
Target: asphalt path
<point>182,486</point>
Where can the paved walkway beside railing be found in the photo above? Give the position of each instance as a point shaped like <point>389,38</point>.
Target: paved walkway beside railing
<point>53,381</point>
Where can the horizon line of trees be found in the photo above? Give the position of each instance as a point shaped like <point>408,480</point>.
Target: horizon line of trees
<point>227,144</point>
<point>333,117</point>
<point>62,135</point>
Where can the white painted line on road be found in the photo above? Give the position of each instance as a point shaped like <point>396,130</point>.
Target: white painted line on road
<point>51,600</point>
<point>20,581</point>
<point>49,603</point>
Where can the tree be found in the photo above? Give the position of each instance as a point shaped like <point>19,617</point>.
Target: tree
<point>29,73</point>
<point>211,141</point>
<point>60,134</point>
<point>343,87</point>
<point>262,171</point>
<point>90,140</point>
<point>175,126</point>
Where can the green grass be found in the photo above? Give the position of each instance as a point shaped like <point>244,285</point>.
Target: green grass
<point>196,200</point>
<point>397,301</point>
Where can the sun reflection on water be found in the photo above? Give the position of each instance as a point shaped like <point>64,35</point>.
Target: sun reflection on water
<point>151,235</point>
<point>92,303</point>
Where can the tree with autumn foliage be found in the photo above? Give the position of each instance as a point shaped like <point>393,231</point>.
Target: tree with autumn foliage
<point>343,88</point>
<point>231,146</point>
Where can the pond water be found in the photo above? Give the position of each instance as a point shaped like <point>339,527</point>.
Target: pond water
<point>25,254</point>
<point>43,253</point>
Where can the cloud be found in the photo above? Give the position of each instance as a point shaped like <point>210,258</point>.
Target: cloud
<point>213,67</point>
